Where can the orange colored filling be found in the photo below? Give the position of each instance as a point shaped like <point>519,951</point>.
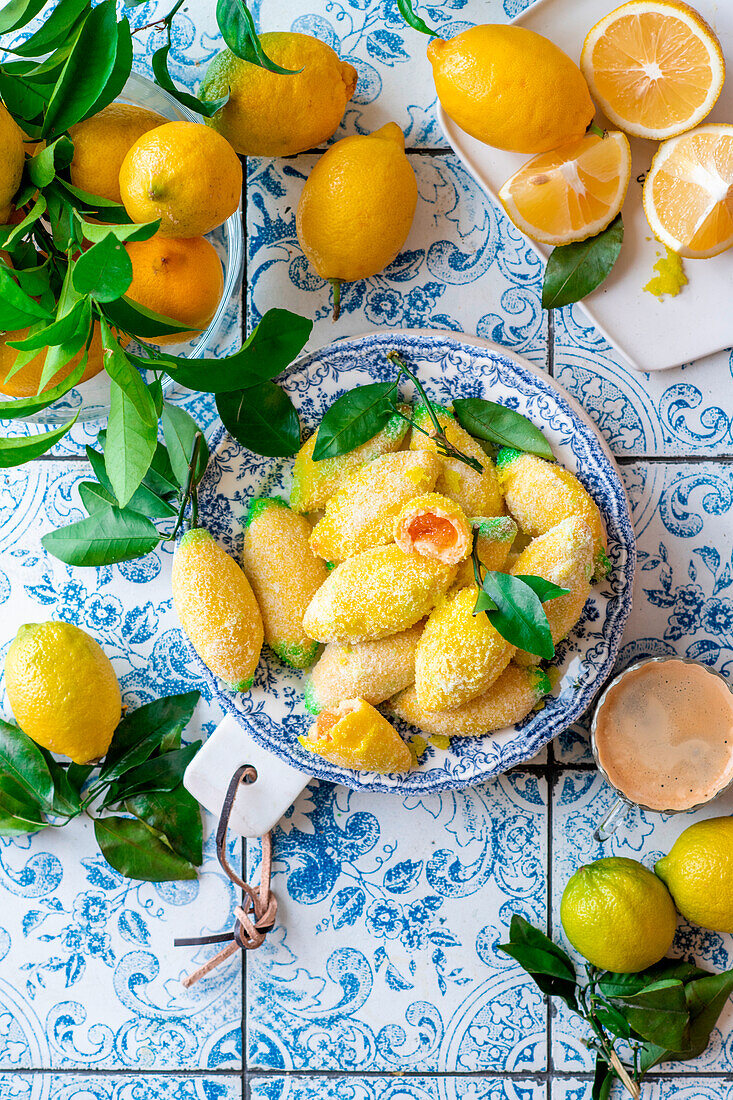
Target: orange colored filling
<point>325,723</point>
<point>435,530</point>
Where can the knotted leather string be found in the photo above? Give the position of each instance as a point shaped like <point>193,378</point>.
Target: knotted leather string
<point>256,916</point>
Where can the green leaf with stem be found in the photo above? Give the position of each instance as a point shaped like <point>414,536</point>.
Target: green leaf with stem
<point>66,801</point>
<point>14,452</point>
<point>180,431</point>
<point>575,270</point>
<point>189,492</point>
<point>66,328</point>
<point>60,26</point>
<point>108,536</point>
<point>23,761</point>
<point>26,406</point>
<point>548,965</point>
<point>17,309</point>
<point>131,442</point>
<point>43,166</point>
<point>518,614</point>
<point>18,13</point>
<point>354,418</point>
<point>270,348</point>
<point>659,1013</point>
<point>120,73</point>
<point>501,426</point>
<point>131,232</point>
<point>126,376</point>
<point>105,271</point>
<point>87,71</point>
<point>261,418</point>
<point>20,812</point>
<point>136,851</point>
<point>175,814</point>
<point>161,773</point>
<point>86,201</point>
<point>145,500</point>
<point>542,588</point>
<point>152,722</point>
<point>143,323</point>
<point>603,1079</point>
<point>413,20</point>
<point>205,107</point>
<point>24,100</point>
<point>240,34</point>
<point>16,232</point>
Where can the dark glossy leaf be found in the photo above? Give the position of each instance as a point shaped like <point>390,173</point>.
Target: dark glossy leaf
<point>273,345</point>
<point>603,1079</point>
<point>141,322</point>
<point>502,426</point>
<point>20,813</point>
<point>144,500</point>
<point>706,998</point>
<point>24,100</point>
<point>15,452</point>
<point>240,34</point>
<point>659,1013</point>
<point>85,74</point>
<point>133,849</point>
<point>161,773</point>
<point>205,107</point>
<point>131,439</point>
<point>413,20</point>
<point>44,165</point>
<point>104,271</point>
<point>23,761</point>
<point>354,418</point>
<point>16,232</point>
<point>77,775</point>
<point>156,720</point>
<point>520,617</point>
<point>108,536</point>
<point>25,406</point>
<point>76,321</point>
<point>545,590</point>
<point>18,13</point>
<point>179,432</point>
<point>262,418</point>
<point>57,29</point>
<point>120,70</point>
<point>66,801</point>
<point>175,814</point>
<point>549,966</point>
<point>613,1020</point>
<point>84,200</point>
<point>622,985</point>
<point>160,477</point>
<point>131,232</point>
<point>17,309</point>
<point>574,270</point>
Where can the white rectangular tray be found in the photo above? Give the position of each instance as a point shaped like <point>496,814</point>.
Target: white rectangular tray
<point>651,334</point>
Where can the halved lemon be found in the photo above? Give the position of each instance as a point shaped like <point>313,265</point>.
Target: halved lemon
<point>688,194</point>
<point>571,193</point>
<point>654,67</point>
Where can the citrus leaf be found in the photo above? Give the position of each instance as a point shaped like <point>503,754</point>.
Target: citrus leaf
<point>354,418</point>
<point>270,348</point>
<point>20,813</point>
<point>659,1013</point>
<point>145,500</point>
<point>161,773</point>
<point>14,452</point>
<point>85,74</point>
<point>120,73</point>
<point>94,498</point>
<point>108,536</point>
<point>22,760</point>
<point>175,814</point>
<point>82,200</point>
<point>574,270</point>
<point>56,30</point>
<point>131,317</point>
<point>18,231</point>
<point>66,801</point>
<point>261,418</point>
<point>26,406</point>
<point>17,309</point>
<point>207,108</point>
<point>131,441</point>
<point>520,617</point>
<point>179,432</point>
<point>43,166</point>
<point>502,426</point>
<point>125,374</point>
<point>131,232</point>
<point>160,719</point>
<point>413,20</point>
<point>105,271</point>
<point>136,851</point>
<point>18,13</point>
<point>77,320</point>
<point>240,34</point>
<point>545,590</point>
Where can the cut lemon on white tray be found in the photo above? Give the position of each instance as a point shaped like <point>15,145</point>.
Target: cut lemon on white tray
<point>654,67</point>
<point>573,192</point>
<point>688,194</point>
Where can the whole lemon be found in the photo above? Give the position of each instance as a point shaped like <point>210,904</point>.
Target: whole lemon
<point>12,156</point>
<point>183,173</point>
<point>511,88</point>
<point>181,279</point>
<point>217,609</point>
<point>63,690</point>
<point>25,382</point>
<point>618,915</point>
<point>272,114</point>
<point>699,873</point>
<point>102,142</point>
<point>357,205</point>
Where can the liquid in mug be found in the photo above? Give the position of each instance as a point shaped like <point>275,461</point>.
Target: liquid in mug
<point>664,735</point>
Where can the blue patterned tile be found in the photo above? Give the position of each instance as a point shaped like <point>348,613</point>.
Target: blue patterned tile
<point>17,1086</point>
<point>89,974</point>
<point>353,1087</point>
<point>390,910</point>
<point>580,801</point>
<point>702,1088</point>
<point>683,592</point>
<point>679,412</point>
<point>464,266</point>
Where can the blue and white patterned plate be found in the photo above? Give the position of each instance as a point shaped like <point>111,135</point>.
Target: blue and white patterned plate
<point>449,365</point>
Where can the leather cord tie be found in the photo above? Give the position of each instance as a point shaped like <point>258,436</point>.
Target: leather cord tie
<point>256,915</point>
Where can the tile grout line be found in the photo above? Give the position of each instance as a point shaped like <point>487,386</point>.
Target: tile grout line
<point>245,315</point>
<point>540,1076</point>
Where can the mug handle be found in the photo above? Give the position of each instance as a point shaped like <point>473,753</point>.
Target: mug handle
<point>610,823</point>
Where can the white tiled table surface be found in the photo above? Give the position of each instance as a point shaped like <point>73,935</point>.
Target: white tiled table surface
<point>382,978</point>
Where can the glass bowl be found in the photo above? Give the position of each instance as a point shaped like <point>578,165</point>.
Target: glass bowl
<point>92,399</point>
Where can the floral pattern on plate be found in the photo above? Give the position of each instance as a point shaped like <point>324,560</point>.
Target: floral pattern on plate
<point>273,710</point>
